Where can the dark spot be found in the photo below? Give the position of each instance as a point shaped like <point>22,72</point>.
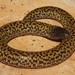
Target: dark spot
<point>52,58</point>
<point>8,60</point>
<point>57,57</point>
<point>68,51</point>
<point>62,72</point>
<point>3,7</point>
<point>31,44</point>
<point>25,60</point>
<point>41,46</point>
<point>60,55</point>
<point>35,61</point>
<point>22,4</point>
<point>62,52</point>
<point>11,10</point>
<point>28,64</point>
<point>40,62</point>
<point>33,40</point>
<point>74,69</point>
<point>50,55</point>
<point>67,46</point>
<point>11,0</point>
<point>34,65</point>
<point>21,74</point>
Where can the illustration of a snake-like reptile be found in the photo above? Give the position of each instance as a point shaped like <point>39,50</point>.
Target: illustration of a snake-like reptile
<point>29,26</point>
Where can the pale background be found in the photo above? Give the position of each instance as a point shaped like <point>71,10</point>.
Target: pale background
<point>12,10</point>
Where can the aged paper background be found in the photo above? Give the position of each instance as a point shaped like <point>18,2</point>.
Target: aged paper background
<point>13,10</point>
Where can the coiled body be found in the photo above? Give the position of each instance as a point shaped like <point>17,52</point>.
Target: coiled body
<point>42,59</point>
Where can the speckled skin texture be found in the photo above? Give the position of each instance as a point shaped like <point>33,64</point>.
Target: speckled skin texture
<point>41,59</point>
